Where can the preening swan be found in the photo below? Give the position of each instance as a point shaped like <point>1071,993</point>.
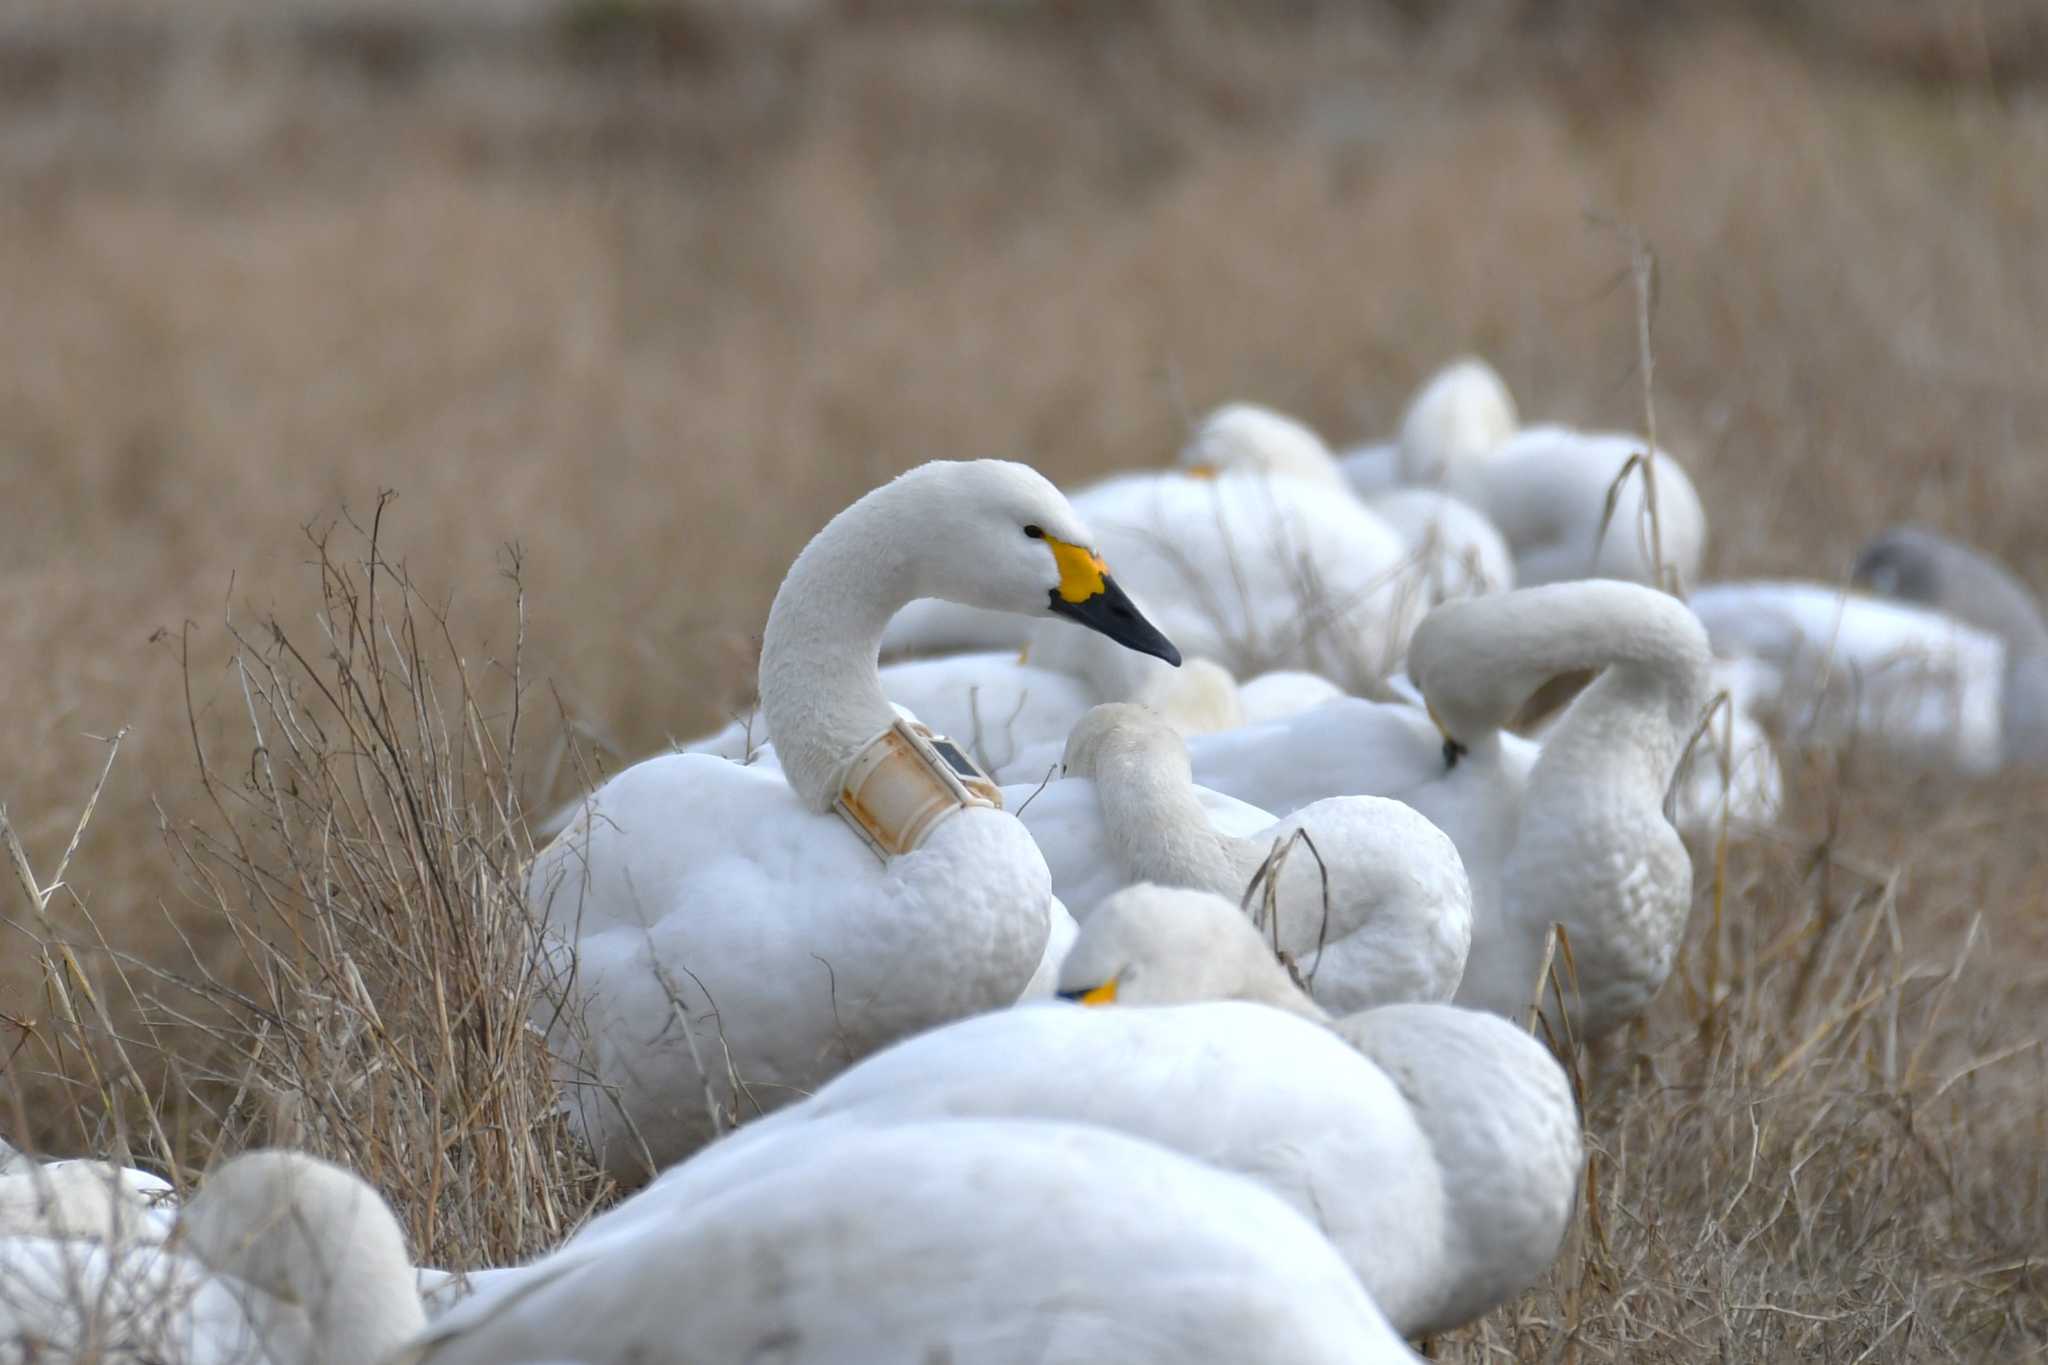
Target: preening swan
<point>1573,833</point>
<point>1395,923</point>
<point>1593,849</point>
<point>1841,670</point>
<point>736,943</point>
<point>1914,564</point>
<point>277,1259</point>
<point>976,1242</point>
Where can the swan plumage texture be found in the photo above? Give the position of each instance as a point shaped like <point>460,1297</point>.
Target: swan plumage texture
<point>735,945</point>
<point>1547,490</point>
<point>1834,669</point>
<point>1373,907</point>
<point>979,1242</point>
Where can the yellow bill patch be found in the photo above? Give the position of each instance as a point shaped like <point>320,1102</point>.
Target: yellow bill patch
<point>1105,994</point>
<point>1081,570</point>
<point>1199,471</point>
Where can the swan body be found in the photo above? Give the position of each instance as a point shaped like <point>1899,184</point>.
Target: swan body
<point>977,1242</point>
<point>84,1199</point>
<point>1546,490</point>
<point>279,1259</point>
<point>1835,669</point>
<point>1279,694</point>
<point>1914,564</point>
<point>734,944</point>
<point>1394,924</point>
<point>1459,552</point>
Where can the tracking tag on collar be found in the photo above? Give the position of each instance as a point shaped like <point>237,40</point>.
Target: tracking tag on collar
<point>904,782</point>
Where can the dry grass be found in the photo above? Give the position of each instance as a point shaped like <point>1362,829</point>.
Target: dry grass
<point>653,295</point>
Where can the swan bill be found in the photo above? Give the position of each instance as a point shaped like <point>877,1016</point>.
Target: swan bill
<point>1104,994</point>
<point>1105,609</point>
<point>1453,750</point>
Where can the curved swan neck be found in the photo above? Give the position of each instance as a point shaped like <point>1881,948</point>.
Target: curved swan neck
<point>821,689</point>
<point>1479,660</point>
<point>313,1240</point>
<point>1156,824</point>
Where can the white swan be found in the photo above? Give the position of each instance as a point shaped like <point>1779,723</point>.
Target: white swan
<point>1458,551</point>
<point>1248,438</point>
<point>1279,694</point>
<point>974,1242</point>
<point>736,944</point>
<point>277,1259</point>
<point>1453,425</point>
<point>1395,923</point>
<point>1574,832</point>
<point>1914,564</point>
<point>1840,670</point>
<point>84,1199</point>
<point>1546,488</point>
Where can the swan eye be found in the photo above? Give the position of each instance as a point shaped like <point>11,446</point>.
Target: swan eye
<point>1035,532</point>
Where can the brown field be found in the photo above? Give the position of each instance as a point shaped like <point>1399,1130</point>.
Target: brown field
<point>648,290</point>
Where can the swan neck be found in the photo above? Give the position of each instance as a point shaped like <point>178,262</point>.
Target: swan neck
<point>1157,826</point>
<point>821,688</point>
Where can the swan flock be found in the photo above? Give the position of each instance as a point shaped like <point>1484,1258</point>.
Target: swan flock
<point>1154,959</point>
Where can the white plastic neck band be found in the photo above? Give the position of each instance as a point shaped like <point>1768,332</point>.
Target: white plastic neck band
<point>906,780</point>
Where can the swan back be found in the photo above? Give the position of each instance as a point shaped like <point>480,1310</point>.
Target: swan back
<point>1501,1120</point>
<point>1461,552</point>
<point>1244,437</point>
<point>83,1199</point>
<point>1547,490</point>
<point>1454,422</point>
<point>979,1242</point>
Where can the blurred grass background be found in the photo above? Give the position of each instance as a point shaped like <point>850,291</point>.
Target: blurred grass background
<point>651,288</point>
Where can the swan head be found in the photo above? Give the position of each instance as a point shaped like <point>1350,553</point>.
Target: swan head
<point>1454,422</point>
<point>995,534</point>
<point>1161,945</point>
<point>1244,437</point>
<point>1121,731</point>
<point>1904,562</point>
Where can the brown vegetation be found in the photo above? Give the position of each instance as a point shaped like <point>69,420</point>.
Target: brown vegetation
<point>650,290</point>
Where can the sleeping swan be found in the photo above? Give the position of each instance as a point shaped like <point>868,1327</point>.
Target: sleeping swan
<point>736,941</point>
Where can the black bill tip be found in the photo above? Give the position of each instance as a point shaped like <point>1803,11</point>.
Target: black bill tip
<point>1111,613</point>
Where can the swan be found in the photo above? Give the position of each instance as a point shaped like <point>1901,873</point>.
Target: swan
<point>1833,669</point>
<point>1397,920</point>
<point>277,1259</point>
<point>1914,564</point>
<point>735,941</point>
<point>1572,832</point>
<point>1546,488</point>
<point>1248,438</point>
<point>1454,424</point>
<point>83,1199</point>
<point>972,1241</point>
<point>1279,694</point>
<point>1459,551</point>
